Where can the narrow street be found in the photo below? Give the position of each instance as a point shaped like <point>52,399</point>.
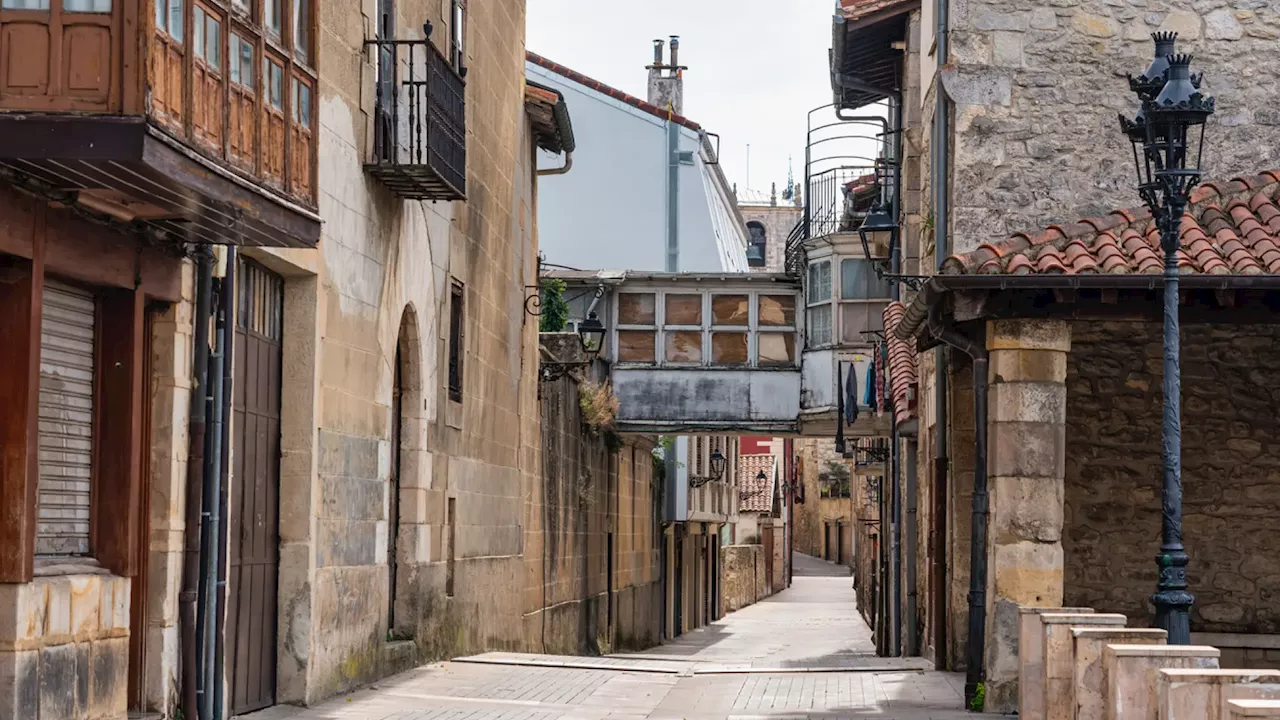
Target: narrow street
<point>801,653</point>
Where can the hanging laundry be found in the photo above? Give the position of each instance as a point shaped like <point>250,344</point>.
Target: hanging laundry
<point>882,371</point>
<point>870,399</point>
<point>851,395</point>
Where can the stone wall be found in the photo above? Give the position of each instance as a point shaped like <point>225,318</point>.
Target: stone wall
<point>742,575</point>
<point>813,517</point>
<point>1230,471</point>
<point>589,496</point>
<point>1034,83</point>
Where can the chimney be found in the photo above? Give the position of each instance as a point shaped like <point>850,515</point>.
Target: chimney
<point>666,81</point>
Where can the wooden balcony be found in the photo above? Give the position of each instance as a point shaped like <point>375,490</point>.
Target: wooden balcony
<point>195,119</point>
<point>420,132</point>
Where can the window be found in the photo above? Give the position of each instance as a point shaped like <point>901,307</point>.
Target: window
<point>207,38</point>
<point>682,328</point>
<point>637,327</point>
<point>301,103</point>
<point>819,303</point>
<point>272,16</point>
<point>863,297</point>
<point>168,17</point>
<point>302,30</point>
<point>777,321</point>
<point>241,5</point>
<point>242,53</point>
<point>274,78</point>
<point>459,33</point>
<point>85,6</point>
<point>859,281</point>
<point>730,322</point>
<point>757,241</point>
<point>25,4</point>
<point>456,337</point>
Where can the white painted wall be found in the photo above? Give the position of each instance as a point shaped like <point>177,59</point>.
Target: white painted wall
<point>610,210</point>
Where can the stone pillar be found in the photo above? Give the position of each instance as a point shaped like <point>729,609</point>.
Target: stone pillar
<point>1026,427</point>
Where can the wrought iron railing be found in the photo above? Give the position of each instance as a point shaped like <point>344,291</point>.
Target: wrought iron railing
<point>420,132</point>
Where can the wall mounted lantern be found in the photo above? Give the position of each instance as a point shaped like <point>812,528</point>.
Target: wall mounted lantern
<point>717,471</point>
<point>881,227</point>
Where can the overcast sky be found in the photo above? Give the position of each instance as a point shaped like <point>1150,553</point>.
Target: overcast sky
<point>756,67</point>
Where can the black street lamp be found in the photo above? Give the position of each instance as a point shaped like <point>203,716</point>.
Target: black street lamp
<point>591,331</point>
<point>1168,141</point>
<point>717,471</point>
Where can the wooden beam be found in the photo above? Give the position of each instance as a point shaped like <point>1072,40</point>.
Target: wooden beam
<point>21,282</point>
<point>118,485</point>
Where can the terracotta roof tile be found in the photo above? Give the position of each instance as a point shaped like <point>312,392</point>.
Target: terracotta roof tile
<point>612,92</point>
<point>1231,227</point>
<point>902,365</point>
<point>754,495</point>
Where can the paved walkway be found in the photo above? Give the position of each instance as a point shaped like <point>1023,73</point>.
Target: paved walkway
<point>803,653</point>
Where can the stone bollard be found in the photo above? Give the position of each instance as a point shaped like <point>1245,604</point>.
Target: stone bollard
<point>1131,675</point>
<point>1059,658</point>
<point>1190,694</point>
<point>1031,658</point>
<point>1241,709</point>
<point>1090,683</point>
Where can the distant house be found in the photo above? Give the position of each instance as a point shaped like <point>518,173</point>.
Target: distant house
<point>614,211</point>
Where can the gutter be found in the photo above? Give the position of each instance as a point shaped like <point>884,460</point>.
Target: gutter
<point>975,649</point>
<point>564,128</point>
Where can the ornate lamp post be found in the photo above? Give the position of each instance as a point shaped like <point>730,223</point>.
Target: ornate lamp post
<point>1168,141</point>
<point>717,464</point>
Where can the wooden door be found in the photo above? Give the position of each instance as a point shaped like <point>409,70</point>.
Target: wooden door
<point>766,537</point>
<point>254,534</point>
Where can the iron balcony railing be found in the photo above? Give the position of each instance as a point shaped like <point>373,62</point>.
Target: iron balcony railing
<point>420,131</point>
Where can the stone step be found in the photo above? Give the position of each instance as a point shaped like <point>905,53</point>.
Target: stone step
<point>1195,694</point>
<point>1130,672</point>
<point>1089,682</point>
<point>1059,657</point>
<point>1031,658</point>
<point>1240,709</point>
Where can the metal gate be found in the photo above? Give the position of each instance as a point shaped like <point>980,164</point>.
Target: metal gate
<point>254,532</point>
<point>67,364</point>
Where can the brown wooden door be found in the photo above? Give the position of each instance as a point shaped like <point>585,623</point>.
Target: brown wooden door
<point>254,538</point>
<point>766,537</point>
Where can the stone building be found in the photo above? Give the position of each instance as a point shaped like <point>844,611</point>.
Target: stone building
<point>1029,97</point>
<point>769,224</point>
<point>824,523</point>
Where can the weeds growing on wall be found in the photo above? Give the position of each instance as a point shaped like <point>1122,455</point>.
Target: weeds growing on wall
<point>599,406</point>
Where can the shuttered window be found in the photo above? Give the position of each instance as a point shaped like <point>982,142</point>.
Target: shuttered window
<point>67,336</point>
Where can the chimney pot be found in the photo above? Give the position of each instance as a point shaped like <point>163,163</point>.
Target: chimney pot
<point>657,52</point>
<point>675,49</point>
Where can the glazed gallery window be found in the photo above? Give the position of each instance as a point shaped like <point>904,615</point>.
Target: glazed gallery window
<point>819,304</point>
<point>693,328</point>
<point>168,17</point>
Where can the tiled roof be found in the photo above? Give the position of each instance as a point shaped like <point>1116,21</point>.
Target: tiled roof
<point>1230,228</point>
<point>756,496</point>
<point>902,365</point>
<point>612,92</point>
<point>858,9</point>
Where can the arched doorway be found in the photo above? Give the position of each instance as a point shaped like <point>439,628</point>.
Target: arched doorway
<point>405,478</point>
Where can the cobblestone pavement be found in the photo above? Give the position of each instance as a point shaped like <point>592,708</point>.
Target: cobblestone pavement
<point>803,653</point>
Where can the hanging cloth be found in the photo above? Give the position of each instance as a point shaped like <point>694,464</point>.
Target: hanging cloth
<point>882,371</point>
<point>840,409</point>
<point>870,399</point>
<point>851,395</point>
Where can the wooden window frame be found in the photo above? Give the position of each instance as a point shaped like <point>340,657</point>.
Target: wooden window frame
<point>811,304</point>
<point>248,21</point>
<point>457,339</point>
<point>458,35</point>
<point>659,347</point>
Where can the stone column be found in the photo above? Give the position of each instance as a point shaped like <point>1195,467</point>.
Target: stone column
<point>1026,426</point>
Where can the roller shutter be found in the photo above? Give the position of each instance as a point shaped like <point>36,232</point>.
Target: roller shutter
<point>67,335</point>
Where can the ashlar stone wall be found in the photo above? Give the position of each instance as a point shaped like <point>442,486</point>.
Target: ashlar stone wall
<point>1230,472</point>
<point>1037,87</point>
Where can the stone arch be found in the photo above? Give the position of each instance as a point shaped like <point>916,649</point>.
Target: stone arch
<point>409,476</point>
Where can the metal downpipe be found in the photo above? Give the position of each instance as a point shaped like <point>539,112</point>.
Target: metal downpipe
<point>187,597</point>
<point>207,609</point>
<point>939,171</point>
<point>895,463</point>
<point>975,650</point>
<point>227,322</point>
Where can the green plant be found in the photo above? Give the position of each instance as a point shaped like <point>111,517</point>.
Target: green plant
<point>979,698</point>
<point>555,311</point>
<point>612,440</point>
<point>599,406</point>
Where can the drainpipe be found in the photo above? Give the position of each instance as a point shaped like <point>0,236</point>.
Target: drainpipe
<point>912,646</point>
<point>673,197</point>
<point>568,164</point>
<point>895,463</point>
<point>940,173</point>
<point>976,648</point>
<point>227,328</point>
<point>195,482</point>
<point>207,609</point>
